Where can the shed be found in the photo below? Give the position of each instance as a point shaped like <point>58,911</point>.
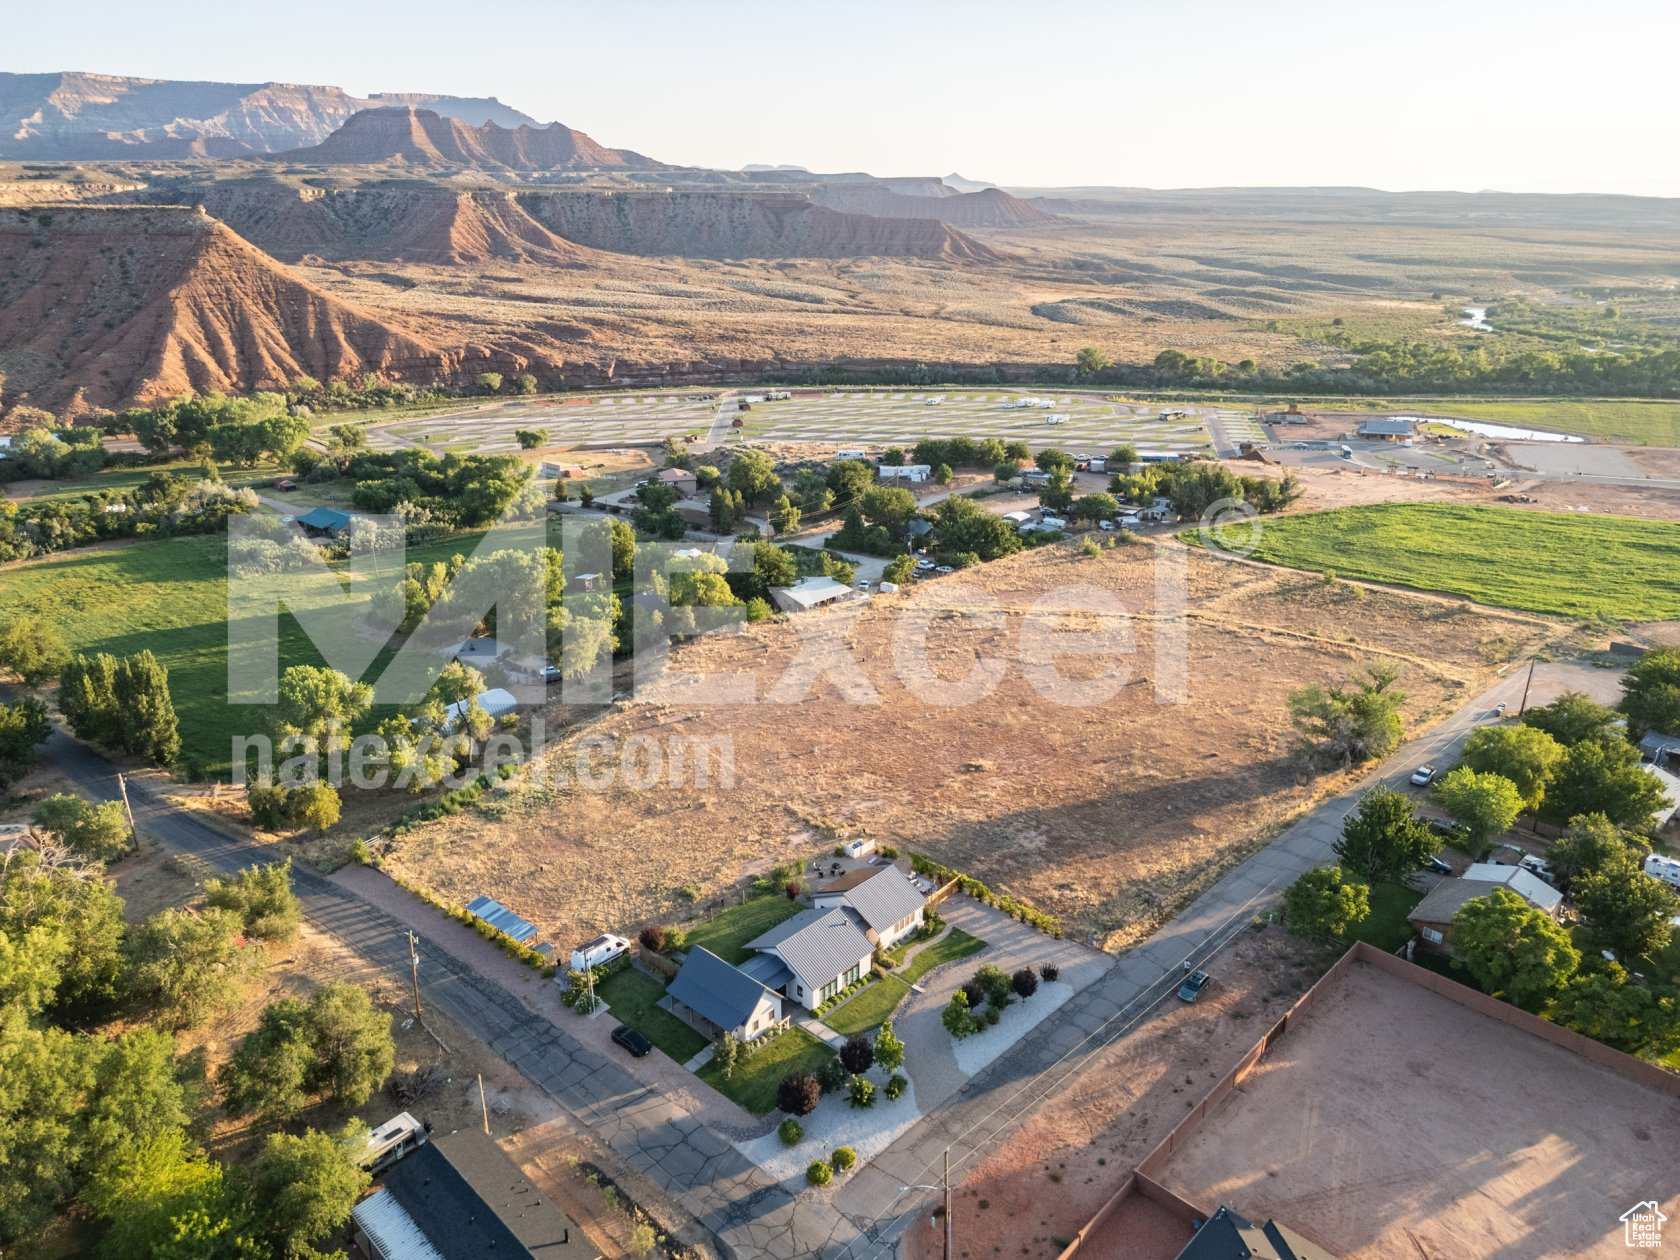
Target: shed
<point>809,592</point>
<point>1658,748</point>
<point>1671,794</point>
<point>324,520</point>
<point>497,702</point>
<point>480,651</point>
<point>501,918</point>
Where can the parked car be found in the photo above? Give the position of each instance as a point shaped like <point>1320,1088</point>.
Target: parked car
<point>1192,988</point>
<point>1423,776</point>
<point>863,584</point>
<point>631,1040</point>
<point>1106,525</point>
<point>1499,709</point>
<point>1538,866</point>
<point>944,568</point>
<point>1455,834</point>
<point>550,674</point>
<point>1438,866</point>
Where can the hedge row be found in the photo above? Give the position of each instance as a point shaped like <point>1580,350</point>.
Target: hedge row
<point>450,803</point>
<point>497,937</point>
<point>967,884</point>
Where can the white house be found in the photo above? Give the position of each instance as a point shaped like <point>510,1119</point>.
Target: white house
<point>715,998</point>
<point>880,899</point>
<point>820,952</point>
<point>916,473</point>
<point>808,593</point>
<point>496,701</point>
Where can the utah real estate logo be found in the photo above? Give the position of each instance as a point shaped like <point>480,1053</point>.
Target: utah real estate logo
<point>1642,1225</point>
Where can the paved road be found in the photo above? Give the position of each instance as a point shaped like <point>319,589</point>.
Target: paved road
<point>981,1116</point>
<point>750,1214</point>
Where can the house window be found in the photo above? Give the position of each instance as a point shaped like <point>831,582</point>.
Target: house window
<point>854,973</point>
<point>1431,935</point>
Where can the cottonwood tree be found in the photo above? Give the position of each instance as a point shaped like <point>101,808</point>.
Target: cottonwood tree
<point>61,929</point>
<point>97,832</point>
<point>305,1185</point>
<point>1383,840</point>
<point>1572,718</point>
<point>1513,950</point>
<point>318,706</point>
<point>1625,910</point>
<point>162,1198</point>
<point>137,1093</point>
<point>1586,845</point>
<point>189,965</point>
<point>1628,1017</point>
<point>22,726</point>
<point>1525,755</point>
<point>752,475</point>
<point>1342,726</point>
<point>1323,905</point>
<point>1651,693</point>
<point>1606,777</point>
<point>32,649</point>
<point>1484,803</point>
<point>45,1077</point>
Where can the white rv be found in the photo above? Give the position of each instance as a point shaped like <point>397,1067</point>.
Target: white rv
<point>1664,868</point>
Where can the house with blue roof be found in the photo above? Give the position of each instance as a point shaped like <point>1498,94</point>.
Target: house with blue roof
<point>715,998</point>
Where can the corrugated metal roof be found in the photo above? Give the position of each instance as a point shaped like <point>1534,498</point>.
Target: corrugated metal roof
<point>501,918</point>
<point>723,994</point>
<point>884,898</point>
<point>391,1229</point>
<point>1387,428</point>
<point>1527,885</point>
<point>324,518</point>
<point>817,944</point>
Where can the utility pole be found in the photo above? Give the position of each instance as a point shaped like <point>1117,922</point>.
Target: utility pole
<point>133,830</point>
<point>1523,707</point>
<point>948,1250</point>
<point>414,966</point>
<point>483,1106</point>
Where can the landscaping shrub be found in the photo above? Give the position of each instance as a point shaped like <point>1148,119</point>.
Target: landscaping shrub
<point>843,1158</point>
<point>958,1019</point>
<point>1025,983</point>
<point>790,1132</point>
<point>993,1015</point>
<point>819,1173</point>
<point>793,888</point>
<point>862,1093</point>
<point>972,887</point>
<point>857,1054</point>
<point>652,938</point>
<point>798,1094</point>
<point>832,1075</point>
<point>897,1085</point>
<point>974,991</point>
<point>889,1050</point>
<point>995,984</point>
<point>1049,972</point>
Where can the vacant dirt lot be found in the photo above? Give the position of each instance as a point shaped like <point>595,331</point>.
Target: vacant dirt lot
<point>1109,802</point>
<point>1391,1121</point>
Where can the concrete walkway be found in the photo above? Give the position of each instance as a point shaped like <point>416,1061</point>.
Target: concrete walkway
<point>821,1031</point>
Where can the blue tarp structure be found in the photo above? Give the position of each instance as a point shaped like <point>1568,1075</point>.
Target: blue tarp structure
<point>501,918</point>
<point>327,520</point>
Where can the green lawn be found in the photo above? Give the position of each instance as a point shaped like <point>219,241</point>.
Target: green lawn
<point>866,1008</point>
<point>757,1075</point>
<point>953,945</point>
<point>169,595</point>
<point>727,934</point>
<point>1386,927</point>
<point>1572,565</point>
<point>1633,422</point>
<point>632,995</point>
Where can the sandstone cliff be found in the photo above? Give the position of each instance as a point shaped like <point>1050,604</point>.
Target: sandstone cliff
<point>990,208</point>
<point>424,139</point>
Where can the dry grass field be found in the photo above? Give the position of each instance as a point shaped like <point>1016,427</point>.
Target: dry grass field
<point>1111,812</point>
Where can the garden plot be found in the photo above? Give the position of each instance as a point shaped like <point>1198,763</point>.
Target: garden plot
<point>867,1130</point>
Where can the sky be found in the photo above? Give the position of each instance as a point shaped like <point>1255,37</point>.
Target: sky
<point>1539,96</point>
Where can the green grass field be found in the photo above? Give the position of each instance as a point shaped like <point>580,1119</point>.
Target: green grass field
<point>727,934</point>
<point>953,945</point>
<point>1387,927</point>
<point>169,595</point>
<point>633,996</point>
<point>758,1074</point>
<point>1571,565</point>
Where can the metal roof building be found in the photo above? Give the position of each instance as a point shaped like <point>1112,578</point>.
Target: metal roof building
<point>501,918</point>
<point>809,592</point>
<point>882,898</point>
<point>1386,428</point>
<point>722,994</point>
<point>1227,1236</point>
<point>324,520</point>
<point>817,944</point>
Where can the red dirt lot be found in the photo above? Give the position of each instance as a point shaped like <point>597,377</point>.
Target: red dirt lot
<point>1392,1121</point>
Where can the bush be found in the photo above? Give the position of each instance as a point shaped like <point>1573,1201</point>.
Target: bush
<point>790,1132</point>
<point>857,1054</point>
<point>792,888</point>
<point>897,1085</point>
<point>862,1092</point>
<point>819,1173</point>
<point>993,1014</point>
<point>652,938</point>
<point>798,1094</point>
<point>974,992</point>
<point>843,1158</point>
<point>1048,973</point>
<point>995,984</point>
<point>831,1075</point>
<point>958,1019</point>
<point>1025,983</point>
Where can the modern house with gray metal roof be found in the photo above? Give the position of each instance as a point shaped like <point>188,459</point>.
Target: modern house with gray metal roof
<point>714,997</point>
<point>825,950</point>
<point>881,900</point>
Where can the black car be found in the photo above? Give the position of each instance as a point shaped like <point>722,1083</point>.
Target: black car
<point>1438,866</point>
<point>632,1040</point>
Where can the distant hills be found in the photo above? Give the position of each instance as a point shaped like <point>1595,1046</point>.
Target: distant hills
<point>75,116</point>
<point>426,139</point>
